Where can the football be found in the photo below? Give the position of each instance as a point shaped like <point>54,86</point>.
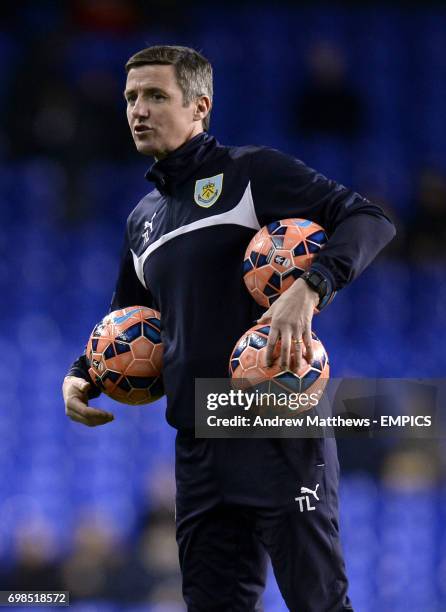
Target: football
<point>247,365</point>
<point>278,254</point>
<point>125,355</point>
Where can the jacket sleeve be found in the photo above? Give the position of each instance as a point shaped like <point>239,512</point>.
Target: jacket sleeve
<point>129,291</point>
<point>283,187</point>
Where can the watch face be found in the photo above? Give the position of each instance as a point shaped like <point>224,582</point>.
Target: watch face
<point>321,285</point>
<point>315,279</point>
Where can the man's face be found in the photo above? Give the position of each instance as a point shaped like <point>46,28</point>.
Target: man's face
<point>158,120</point>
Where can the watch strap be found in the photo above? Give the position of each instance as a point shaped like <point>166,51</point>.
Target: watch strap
<point>320,283</point>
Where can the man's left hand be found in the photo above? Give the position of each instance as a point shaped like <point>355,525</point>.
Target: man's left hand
<point>290,319</point>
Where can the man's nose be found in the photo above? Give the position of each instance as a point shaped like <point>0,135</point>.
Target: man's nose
<point>140,109</point>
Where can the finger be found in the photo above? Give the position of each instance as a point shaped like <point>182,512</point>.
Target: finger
<point>79,419</point>
<point>306,337</point>
<point>285,349</point>
<point>98,414</point>
<point>266,317</point>
<point>77,406</point>
<point>90,422</point>
<point>297,353</point>
<point>80,383</point>
<point>272,339</point>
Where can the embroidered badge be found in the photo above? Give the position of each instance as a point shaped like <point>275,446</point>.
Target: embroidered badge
<point>208,190</point>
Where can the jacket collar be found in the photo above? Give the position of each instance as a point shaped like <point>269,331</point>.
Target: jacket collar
<point>176,167</point>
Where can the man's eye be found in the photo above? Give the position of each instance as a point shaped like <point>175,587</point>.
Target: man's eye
<point>158,97</point>
<point>131,100</point>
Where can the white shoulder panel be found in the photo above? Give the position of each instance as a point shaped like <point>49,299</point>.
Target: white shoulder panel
<point>243,214</point>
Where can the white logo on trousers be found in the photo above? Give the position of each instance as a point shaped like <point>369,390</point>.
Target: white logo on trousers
<point>301,499</point>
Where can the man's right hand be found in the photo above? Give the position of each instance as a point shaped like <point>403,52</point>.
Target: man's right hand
<point>75,396</point>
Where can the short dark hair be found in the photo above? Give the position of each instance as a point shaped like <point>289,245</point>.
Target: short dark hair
<point>193,71</point>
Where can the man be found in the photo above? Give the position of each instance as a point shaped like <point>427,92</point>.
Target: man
<point>183,252</point>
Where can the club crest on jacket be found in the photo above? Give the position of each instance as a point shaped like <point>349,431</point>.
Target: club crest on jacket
<point>208,190</point>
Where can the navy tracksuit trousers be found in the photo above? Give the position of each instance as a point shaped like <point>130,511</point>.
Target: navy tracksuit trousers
<point>238,499</point>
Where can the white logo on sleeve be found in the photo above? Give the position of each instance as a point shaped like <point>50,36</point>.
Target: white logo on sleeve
<point>148,228</point>
<point>304,499</point>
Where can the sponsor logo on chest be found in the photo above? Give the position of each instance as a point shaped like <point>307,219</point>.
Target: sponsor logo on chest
<point>148,228</point>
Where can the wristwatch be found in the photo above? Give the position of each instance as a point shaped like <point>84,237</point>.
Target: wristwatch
<point>317,281</point>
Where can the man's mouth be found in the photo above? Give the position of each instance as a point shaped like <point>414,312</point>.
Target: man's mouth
<point>140,128</point>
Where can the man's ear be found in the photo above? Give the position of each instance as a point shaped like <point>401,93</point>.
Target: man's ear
<point>202,107</point>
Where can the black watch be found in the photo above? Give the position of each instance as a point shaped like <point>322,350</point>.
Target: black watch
<point>317,281</point>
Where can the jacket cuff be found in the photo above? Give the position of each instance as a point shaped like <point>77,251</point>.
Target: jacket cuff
<point>80,369</point>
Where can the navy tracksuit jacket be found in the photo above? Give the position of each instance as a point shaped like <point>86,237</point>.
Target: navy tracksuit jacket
<point>183,255</point>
